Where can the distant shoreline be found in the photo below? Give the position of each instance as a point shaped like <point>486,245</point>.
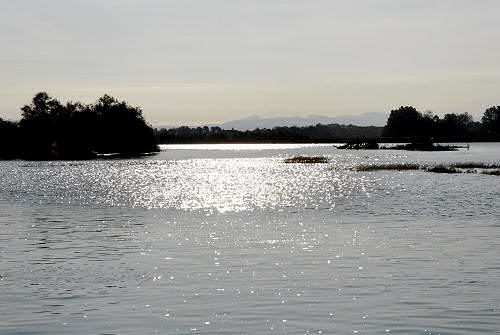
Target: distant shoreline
<point>51,130</point>
<point>404,125</point>
<point>324,141</point>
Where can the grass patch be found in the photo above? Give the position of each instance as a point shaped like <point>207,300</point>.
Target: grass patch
<point>382,167</point>
<point>492,173</point>
<point>306,159</point>
<point>469,167</point>
<point>474,165</point>
<point>442,169</point>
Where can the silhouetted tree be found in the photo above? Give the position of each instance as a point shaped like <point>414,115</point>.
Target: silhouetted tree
<point>40,126</point>
<point>9,139</point>
<point>491,122</point>
<point>51,130</point>
<point>455,125</point>
<point>405,121</point>
<point>121,128</point>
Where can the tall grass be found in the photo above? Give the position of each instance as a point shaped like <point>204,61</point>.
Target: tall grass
<point>306,159</point>
<point>468,167</point>
<point>492,172</point>
<point>475,165</point>
<point>442,169</point>
<point>393,167</point>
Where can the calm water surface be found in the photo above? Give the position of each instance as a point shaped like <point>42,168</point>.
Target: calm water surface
<point>227,239</point>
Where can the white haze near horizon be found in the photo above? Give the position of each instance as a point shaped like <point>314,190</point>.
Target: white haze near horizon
<point>207,62</point>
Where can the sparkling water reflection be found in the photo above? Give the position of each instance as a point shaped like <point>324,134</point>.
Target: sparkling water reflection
<point>225,240</point>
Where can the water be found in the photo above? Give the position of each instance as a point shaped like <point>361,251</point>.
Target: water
<point>227,239</point>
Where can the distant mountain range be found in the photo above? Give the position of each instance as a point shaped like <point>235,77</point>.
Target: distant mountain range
<point>252,122</point>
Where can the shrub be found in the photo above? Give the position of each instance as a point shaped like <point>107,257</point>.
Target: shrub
<point>306,159</point>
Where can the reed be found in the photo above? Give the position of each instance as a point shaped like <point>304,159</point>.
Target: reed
<point>306,159</point>
<point>442,169</point>
<point>382,167</point>
<point>475,165</point>
<point>467,167</point>
<point>492,172</point>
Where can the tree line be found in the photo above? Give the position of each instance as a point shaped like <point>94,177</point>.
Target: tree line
<point>49,129</point>
<point>406,123</point>
<point>313,134</point>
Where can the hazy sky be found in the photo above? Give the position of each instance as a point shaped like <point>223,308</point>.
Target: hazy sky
<point>204,61</point>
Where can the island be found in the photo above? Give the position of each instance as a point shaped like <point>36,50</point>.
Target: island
<point>50,130</point>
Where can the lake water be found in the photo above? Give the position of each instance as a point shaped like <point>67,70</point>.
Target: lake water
<point>227,239</point>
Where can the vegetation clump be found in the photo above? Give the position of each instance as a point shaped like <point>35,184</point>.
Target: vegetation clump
<point>492,172</point>
<point>50,130</point>
<point>475,165</point>
<point>391,167</point>
<point>468,167</point>
<point>442,169</point>
<point>307,159</point>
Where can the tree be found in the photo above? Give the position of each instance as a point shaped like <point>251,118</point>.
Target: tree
<point>121,128</point>
<point>455,125</point>
<point>491,121</point>
<point>9,141</point>
<point>42,108</point>
<point>52,130</point>
<point>405,121</point>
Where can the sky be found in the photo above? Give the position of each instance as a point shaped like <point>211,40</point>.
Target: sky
<point>195,62</point>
